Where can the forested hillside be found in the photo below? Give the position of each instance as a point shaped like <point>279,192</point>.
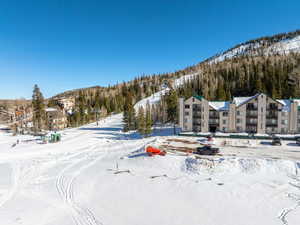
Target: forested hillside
<point>275,75</point>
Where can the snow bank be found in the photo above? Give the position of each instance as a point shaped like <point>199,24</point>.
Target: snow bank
<point>242,166</point>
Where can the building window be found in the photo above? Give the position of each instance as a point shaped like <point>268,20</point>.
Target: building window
<point>225,114</point>
<point>186,113</point>
<point>284,122</point>
<point>238,121</point>
<point>224,121</point>
<point>185,120</point>
<point>238,113</point>
<point>298,120</point>
<point>193,99</point>
<point>238,128</point>
<point>187,106</point>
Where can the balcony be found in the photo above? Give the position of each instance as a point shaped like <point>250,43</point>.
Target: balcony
<point>197,107</point>
<point>196,128</point>
<point>214,115</point>
<point>197,122</point>
<point>251,114</point>
<point>197,125</point>
<point>251,122</point>
<point>251,107</point>
<point>213,121</point>
<point>272,115</point>
<point>271,124</point>
<point>272,107</point>
<point>197,113</point>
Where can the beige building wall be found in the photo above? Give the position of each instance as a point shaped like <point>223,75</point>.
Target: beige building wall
<point>232,118</point>
<point>261,111</point>
<point>205,116</point>
<point>224,118</point>
<point>181,112</point>
<point>241,118</point>
<point>293,117</point>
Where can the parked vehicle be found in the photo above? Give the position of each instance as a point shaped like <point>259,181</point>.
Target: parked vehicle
<point>298,140</point>
<point>276,141</point>
<point>207,150</point>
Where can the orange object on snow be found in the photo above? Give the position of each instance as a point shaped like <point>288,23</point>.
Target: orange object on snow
<point>154,151</point>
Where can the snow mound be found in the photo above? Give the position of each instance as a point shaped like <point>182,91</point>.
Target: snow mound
<point>241,165</point>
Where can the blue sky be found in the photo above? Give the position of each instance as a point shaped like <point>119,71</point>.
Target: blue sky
<point>67,44</point>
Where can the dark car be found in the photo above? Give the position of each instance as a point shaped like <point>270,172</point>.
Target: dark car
<point>276,141</point>
<point>207,150</point>
<point>298,140</point>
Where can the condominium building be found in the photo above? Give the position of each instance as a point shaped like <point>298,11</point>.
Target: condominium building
<point>254,114</point>
<point>56,119</point>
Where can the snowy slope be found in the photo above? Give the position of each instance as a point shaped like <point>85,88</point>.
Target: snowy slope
<point>281,47</point>
<point>155,98</point>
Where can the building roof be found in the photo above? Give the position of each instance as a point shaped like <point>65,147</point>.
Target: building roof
<point>50,109</point>
<point>199,97</point>
<point>219,105</point>
<point>297,100</point>
<point>286,104</point>
<point>238,101</point>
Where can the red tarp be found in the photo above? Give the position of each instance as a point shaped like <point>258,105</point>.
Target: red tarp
<point>154,151</point>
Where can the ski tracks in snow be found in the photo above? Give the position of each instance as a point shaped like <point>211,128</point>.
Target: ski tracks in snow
<point>294,197</point>
<point>16,171</point>
<point>65,187</point>
<point>66,179</point>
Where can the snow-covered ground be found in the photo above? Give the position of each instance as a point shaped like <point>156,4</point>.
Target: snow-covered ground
<point>87,180</point>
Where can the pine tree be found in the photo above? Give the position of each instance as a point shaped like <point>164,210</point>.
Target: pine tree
<point>141,123</point>
<point>129,115</point>
<point>38,107</point>
<point>126,121</point>
<point>172,103</point>
<point>148,127</point>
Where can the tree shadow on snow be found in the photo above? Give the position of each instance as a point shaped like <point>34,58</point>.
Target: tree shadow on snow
<point>101,128</point>
<point>118,134</point>
<point>265,143</point>
<point>292,144</point>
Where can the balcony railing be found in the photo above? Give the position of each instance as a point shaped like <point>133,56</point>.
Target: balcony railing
<point>251,122</point>
<point>213,121</point>
<point>196,107</point>
<point>272,115</point>
<point>213,115</point>
<point>271,124</point>
<point>251,115</point>
<point>271,107</point>
<point>250,107</point>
